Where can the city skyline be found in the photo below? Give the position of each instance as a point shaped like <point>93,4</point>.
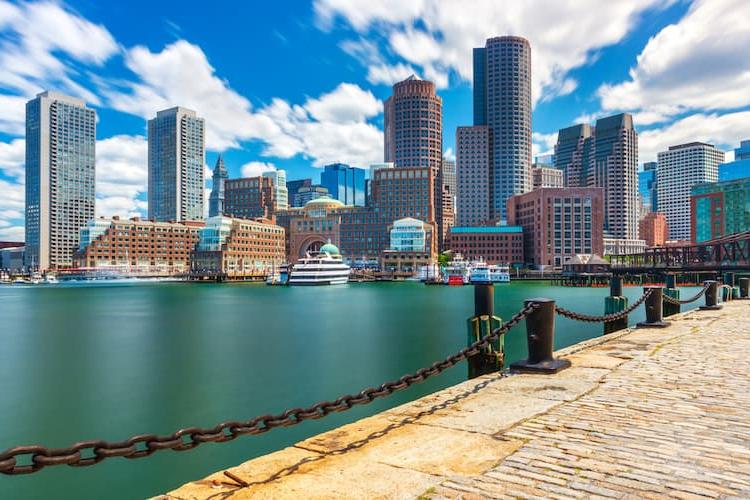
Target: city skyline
<point>127,77</point>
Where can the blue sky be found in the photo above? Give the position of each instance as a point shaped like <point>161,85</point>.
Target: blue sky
<point>296,85</point>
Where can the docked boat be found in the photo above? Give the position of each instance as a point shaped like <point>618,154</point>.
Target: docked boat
<point>36,278</point>
<point>483,273</point>
<point>324,267</point>
<point>51,279</point>
<point>457,272</point>
<point>279,276</point>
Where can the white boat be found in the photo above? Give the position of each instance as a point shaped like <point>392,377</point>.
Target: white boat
<point>457,272</point>
<point>51,279</point>
<point>325,267</point>
<point>481,272</point>
<point>36,278</point>
<point>19,281</point>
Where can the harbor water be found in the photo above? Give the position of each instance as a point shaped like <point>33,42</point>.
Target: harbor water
<point>105,360</point>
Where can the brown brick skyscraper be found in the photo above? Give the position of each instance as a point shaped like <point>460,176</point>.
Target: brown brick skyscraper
<point>414,134</point>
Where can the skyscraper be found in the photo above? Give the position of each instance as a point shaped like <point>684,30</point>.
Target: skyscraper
<point>344,183</point>
<point>176,150</point>
<point>60,177</point>
<point>502,101</point>
<point>279,182</point>
<point>414,133</point>
<point>647,187</point>
<point>740,167</point>
<point>473,165</point>
<point>605,156</point>
<point>680,169</point>
<point>216,200</point>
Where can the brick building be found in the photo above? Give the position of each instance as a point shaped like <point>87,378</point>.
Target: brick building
<point>138,247</point>
<point>493,244</point>
<point>653,229</point>
<point>250,198</point>
<point>231,248</point>
<point>559,223</point>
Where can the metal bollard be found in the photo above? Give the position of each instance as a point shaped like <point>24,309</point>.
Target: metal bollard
<point>712,296</point>
<point>673,292</point>
<point>480,325</point>
<point>615,303</point>
<point>744,288</point>
<point>540,334</point>
<point>654,310</point>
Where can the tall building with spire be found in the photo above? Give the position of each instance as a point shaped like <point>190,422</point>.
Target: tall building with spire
<point>502,103</point>
<point>414,136</point>
<point>216,200</point>
<point>60,177</point>
<point>176,153</point>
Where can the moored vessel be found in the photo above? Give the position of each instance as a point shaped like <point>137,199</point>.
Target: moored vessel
<point>324,267</point>
<point>483,273</point>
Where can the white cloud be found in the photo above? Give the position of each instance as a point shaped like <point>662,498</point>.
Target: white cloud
<point>12,233</point>
<point>13,158</point>
<point>11,210</point>
<point>543,143</point>
<point>438,35</point>
<point>121,176</point>
<point>699,62</point>
<point>722,130</point>
<point>40,42</point>
<point>346,104</point>
<point>256,168</point>
<point>449,154</point>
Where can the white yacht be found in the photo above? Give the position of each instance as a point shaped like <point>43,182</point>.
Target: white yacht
<point>481,272</point>
<point>324,267</point>
<point>50,279</point>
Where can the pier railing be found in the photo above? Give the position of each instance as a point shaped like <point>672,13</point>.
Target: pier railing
<point>539,315</point>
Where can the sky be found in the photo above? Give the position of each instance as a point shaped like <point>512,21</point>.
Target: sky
<point>299,84</point>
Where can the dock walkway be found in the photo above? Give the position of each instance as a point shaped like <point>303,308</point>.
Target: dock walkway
<point>661,413</point>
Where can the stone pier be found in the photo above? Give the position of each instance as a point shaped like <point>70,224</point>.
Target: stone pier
<point>641,414</point>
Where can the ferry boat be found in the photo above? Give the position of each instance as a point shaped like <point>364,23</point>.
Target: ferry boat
<point>457,272</point>
<point>324,267</point>
<point>482,273</point>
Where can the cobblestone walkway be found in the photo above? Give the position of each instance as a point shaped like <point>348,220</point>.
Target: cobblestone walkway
<point>646,414</point>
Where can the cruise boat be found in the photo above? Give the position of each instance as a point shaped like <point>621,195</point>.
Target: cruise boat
<point>483,273</point>
<point>457,272</point>
<point>324,267</point>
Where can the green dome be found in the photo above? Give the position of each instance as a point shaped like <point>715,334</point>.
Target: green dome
<point>330,248</point>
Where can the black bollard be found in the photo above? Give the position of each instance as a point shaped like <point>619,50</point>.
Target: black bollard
<point>615,303</point>
<point>540,334</point>
<point>712,296</point>
<point>671,291</point>
<point>744,288</point>
<point>654,311</point>
<point>491,359</point>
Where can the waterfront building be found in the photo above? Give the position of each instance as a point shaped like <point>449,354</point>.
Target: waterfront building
<point>176,154</point>
<point>309,193</point>
<point>740,167</point>
<point>216,199</point>
<point>719,209</point>
<point>502,102</point>
<point>448,198</point>
<point>647,188</point>
<point>413,131</point>
<point>653,229</point>
<point>473,166</point>
<point>250,198</point>
<point>493,244</point>
<point>60,177</point>
<point>623,246</point>
<point>368,182</point>
<point>680,168</point>
<point>558,223</point>
<point>410,247</point>
<point>344,183</point>
<point>586,263</point>
<point>292,189</point>
<point>12,258</point>
<point>232,248</point>
<point>548,177</point>
<point>281,193</point>
<point>404,192</point>
<point>137,247</point>
<point>605,156</point>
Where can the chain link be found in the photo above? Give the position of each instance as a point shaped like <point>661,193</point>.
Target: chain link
<point>679,302</point>
<point>88,453</point>
<point>607,318</point>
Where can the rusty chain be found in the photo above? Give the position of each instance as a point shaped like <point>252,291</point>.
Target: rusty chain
<point>679,302</point>
<point>86,453</point>
<point>607,318</point>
